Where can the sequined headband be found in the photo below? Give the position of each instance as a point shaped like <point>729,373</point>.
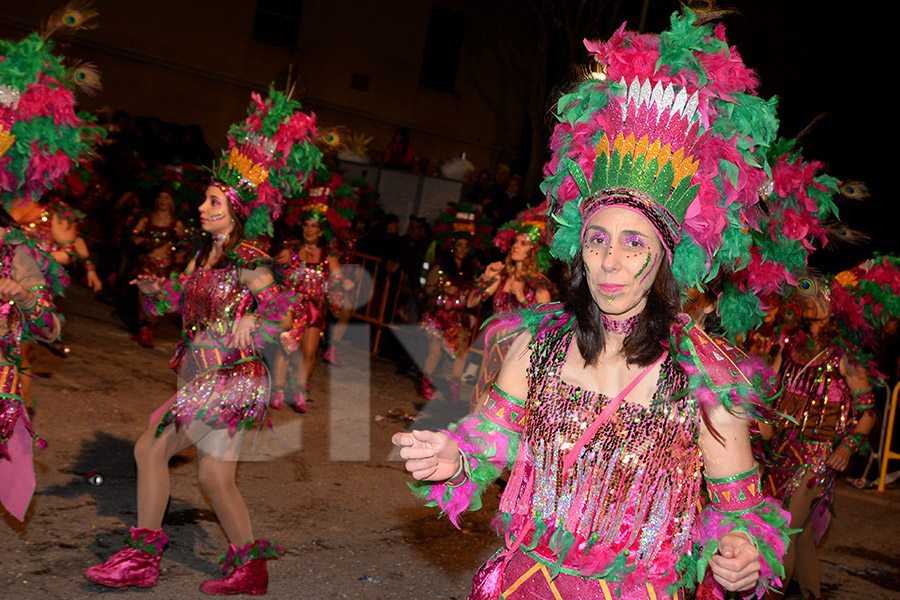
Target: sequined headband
<point>663,221</point>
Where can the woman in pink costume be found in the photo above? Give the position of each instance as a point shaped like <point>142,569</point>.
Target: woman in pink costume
<point>610,405</point>
<point>230,304</point>
<point>156,234</point>
<point>313,273</point>
<point>826,411</point>
<point>514,284</point>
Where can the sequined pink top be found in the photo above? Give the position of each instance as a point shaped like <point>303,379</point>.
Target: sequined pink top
<point>214,298</point>
<point>307,278</point>
<point>635,486</point>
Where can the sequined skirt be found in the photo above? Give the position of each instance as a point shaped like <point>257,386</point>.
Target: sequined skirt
<point>524,577</point>
<point>225,389</point>
<point>450,326</point>
<point>304,314</point>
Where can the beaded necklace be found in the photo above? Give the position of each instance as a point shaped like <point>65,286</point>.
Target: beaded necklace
<point>623,327</point>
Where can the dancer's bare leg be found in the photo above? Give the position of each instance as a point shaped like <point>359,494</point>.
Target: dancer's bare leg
<point>279,369</point>
<point>152,454</point>
<point>218,452</point>
<point>434,356</point>
<point>800,507</point>
<point>309,345</point>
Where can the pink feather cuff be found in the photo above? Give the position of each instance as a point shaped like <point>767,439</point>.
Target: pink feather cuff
<point>487,450</point>
<point>767,525</point>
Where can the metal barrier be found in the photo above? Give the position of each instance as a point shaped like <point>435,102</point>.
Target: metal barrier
<point>886,453</point>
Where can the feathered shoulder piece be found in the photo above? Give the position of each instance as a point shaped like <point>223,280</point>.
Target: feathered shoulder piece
<point>41,135</point>
<point>719,373</point>
<point>248,256</point>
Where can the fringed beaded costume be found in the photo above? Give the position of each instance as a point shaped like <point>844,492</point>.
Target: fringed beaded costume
<point>626,518</point>
<point>156,237</point>
<point>312,283</point>
<point>820,412</point>
<point>226,386</point>
<point>445,315</point>
<point>37,322</point>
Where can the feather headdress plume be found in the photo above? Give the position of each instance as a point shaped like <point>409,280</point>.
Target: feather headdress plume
<point>462,222</point>
<point>269,158</point>
<point>41,135</point>
<point>533,223</point>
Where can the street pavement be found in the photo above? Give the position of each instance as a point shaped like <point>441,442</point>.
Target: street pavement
<point>325,486</point>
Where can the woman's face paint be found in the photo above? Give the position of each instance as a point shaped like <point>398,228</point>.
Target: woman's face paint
<point>214,212</point>
<point>620,254</point>
<point>646,263</point>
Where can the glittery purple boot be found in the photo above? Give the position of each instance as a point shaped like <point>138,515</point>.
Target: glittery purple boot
<point>135,565</point>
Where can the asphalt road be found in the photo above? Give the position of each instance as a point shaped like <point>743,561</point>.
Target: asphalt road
<point>322,486</point>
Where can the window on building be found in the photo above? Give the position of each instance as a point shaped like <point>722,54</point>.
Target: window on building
<point>278,21</point>
<point>443,46</point>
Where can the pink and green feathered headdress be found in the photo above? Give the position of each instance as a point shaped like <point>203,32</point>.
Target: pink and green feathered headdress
<point>863,301</point>
<point>670,127</point>
<point>41,135</point>
<point>533,223</point>
<point>462,222</point>
<point>327,199</point>
<point>269,158</point>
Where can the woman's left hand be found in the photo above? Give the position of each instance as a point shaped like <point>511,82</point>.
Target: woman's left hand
<point>242,332</point>
<point>736,565</point>
<point>839,459</point>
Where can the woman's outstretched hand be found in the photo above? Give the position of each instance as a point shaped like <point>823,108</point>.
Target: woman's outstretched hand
<point>429,455</point>
<point>736,565</point>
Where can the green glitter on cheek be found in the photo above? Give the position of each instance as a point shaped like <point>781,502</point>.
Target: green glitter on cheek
<point>646,262</point>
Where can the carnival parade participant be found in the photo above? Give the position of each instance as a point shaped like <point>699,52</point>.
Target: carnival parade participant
<point>610,405</point>
<point>36,152</point>
<point>827,406</point>
<point>156,235</point>
<point>310,267</point>
<point>230,304</point>
<point>516,283</point>
<point>446,318</point>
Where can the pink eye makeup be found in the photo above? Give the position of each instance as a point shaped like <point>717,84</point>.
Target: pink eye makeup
<point>634,242</point>
<point>598,237</point>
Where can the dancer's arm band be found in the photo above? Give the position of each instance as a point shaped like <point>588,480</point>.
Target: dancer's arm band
<point>854,442</point>
<point>504,409</point>
<point>864,400</point>
<point>462,474</point>
<point>736,494</point>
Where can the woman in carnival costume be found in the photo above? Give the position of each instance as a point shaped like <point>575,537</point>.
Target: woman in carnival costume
<point>446,318</point>
<point>156,235</point>
<point>610,405</point>
<point>827,407</point>
<point>41,139</point>
<point>230,305</point>
<point>311,268</point>
<point>516,283</point>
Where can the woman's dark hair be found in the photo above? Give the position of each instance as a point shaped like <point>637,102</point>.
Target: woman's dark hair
<point>234,238</point>
<point>653,325</point>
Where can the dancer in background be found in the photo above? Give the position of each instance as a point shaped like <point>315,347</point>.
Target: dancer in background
<point>156,235</point>
<point>230,305</point>
<point>823,363</point>
<point>35,155</point>
<point>310,268</point>
<point>446,318</point>
<point>514,284</point>
<point>610,406</point>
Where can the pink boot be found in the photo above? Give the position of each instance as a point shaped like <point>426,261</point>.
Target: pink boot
<point>249,574</point>
<point>331,357</point>
<point>136,565</point>
<point>300,400</point>
<point>454,391</point>
<point>425,389</point>
<point>276,400</point>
